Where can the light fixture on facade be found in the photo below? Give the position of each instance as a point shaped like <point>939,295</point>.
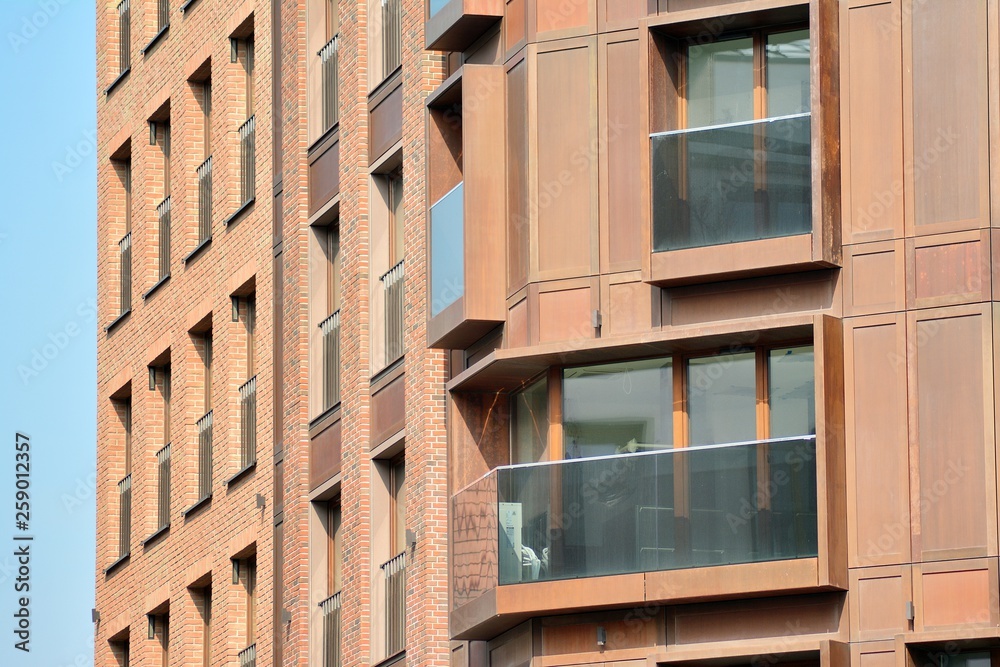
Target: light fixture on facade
<point>152,133</point>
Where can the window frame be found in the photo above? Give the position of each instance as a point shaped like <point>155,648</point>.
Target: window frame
<point>554,443</point>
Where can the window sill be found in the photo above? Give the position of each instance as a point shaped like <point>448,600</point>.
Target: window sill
<point>197,251</point>
<point>158,534</point>
<point>393,659</point>
<point>187,5</point>
<point>159,283</point>
<point>240,211</point>
<point>117,564</point>
<point>118,320</point>
<point>156,38</point>
<point>197,506</point>
<point>114,84</point>
<point>241,474</point>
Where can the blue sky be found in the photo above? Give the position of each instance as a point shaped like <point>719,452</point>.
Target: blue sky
<point>48,329</point>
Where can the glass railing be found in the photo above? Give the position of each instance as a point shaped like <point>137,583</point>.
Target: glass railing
<point>435,6</point>
<point>731,183</point>
<point>657,510</point>
<point>447,249</point>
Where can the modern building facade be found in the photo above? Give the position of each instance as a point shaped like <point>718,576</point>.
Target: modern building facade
<point>549,332</point>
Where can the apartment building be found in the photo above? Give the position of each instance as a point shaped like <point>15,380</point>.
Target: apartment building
<point>548,332</point>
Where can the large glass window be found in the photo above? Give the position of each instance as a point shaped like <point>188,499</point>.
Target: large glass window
<point>618,408</point>
<point>722,398</point>
<point>530,424</point>
<point>738,168</point>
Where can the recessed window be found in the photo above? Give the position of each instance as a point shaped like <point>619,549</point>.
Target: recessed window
<point>738,166</point>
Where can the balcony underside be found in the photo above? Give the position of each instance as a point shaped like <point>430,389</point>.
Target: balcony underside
<point>505,606</point>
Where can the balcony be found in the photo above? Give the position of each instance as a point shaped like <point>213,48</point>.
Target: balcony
<point>248,656</point>
<point>330,609</point>
<point>125,517</point>
<point>393,288</point>
<point>163,216</point>
<point>453,25</point>
<point>637,517</point>
<point>248,160</point>
<point>163,488</point>
<point>394,573</point>
<point>468,207</point>
<point>204,426</point>
<point>330,329</point>
<point>205,200</point>
<point>329,57</point>
<point>248,423</point>
<point>125,273</point>
<point>732,183</point>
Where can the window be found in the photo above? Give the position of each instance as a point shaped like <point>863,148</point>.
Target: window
<point>623,407</point>
<point>738,167</point>
<point>159,625</point>
<point>124,36</point>
<point>248,70</point>
<point>394,182</point>
<point>248,391</point>
<point>330,326</point>
<point>247,131</point>
<point>163,208</point>
<point>205,425</point>
<point>120,649</point>
<point>391,36</point>
<point>123,168</point>
<point>205,169</point>
<point>251,599</point>
<point>162,15</point>
<point>332,253</point>
<point>330,607</point>
<point>334,547</point>
<point>397,491</point>
<point>202,598</point>
<point>163,458</point>
<point>124,410</point>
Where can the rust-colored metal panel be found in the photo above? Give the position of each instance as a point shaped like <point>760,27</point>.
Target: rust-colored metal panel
<point>757,619</point>
<point>517,324</point>
<point>479,437</point>
<point>630,308</point>
<point>324,177</point>
<point>734,260</point>
<point>385,124</point>
<point>617,14</point>
<point>950,436</point>
<point>621,134</point>
<point>948,269</point>
<point>565,183</point>
<point>458,24</point>
<point>485,196</point>
<point>877,454</point>
<point>565,315</point>
<point>950,149</point>
<point>872,98</point>
<point>388,410</point>
<point>958,597</point>
<point>518,212</point>
<point>560,637</point>
<point>751,298</point>
<point>514,26</point>
<point>324,455</point>
<point>874,280</point>
<point>878,600</point>
<point>561,15</point>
